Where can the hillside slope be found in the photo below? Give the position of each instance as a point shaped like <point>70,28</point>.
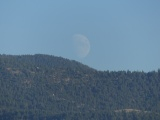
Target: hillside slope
<point>43,86</point>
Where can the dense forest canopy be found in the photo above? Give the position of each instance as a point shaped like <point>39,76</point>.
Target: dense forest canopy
<point>48,87</point>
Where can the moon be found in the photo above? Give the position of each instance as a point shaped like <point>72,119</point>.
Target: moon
<point>81,45</point>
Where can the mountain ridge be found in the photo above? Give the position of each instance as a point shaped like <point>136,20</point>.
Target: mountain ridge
<point>45,86</point>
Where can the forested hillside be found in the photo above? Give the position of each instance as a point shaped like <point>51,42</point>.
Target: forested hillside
<point>48,87</point>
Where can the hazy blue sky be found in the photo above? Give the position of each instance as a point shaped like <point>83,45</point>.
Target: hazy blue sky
<point>123,34</point>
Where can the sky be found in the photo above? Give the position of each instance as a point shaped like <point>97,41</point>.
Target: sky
<point>114,34</point>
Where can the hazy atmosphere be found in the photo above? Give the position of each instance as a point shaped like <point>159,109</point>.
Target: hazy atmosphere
<point>105,35</point>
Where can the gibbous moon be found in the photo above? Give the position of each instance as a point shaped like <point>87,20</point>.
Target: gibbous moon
<point>81,45</point>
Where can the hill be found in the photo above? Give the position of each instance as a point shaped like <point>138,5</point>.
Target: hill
<point>48,87</point>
